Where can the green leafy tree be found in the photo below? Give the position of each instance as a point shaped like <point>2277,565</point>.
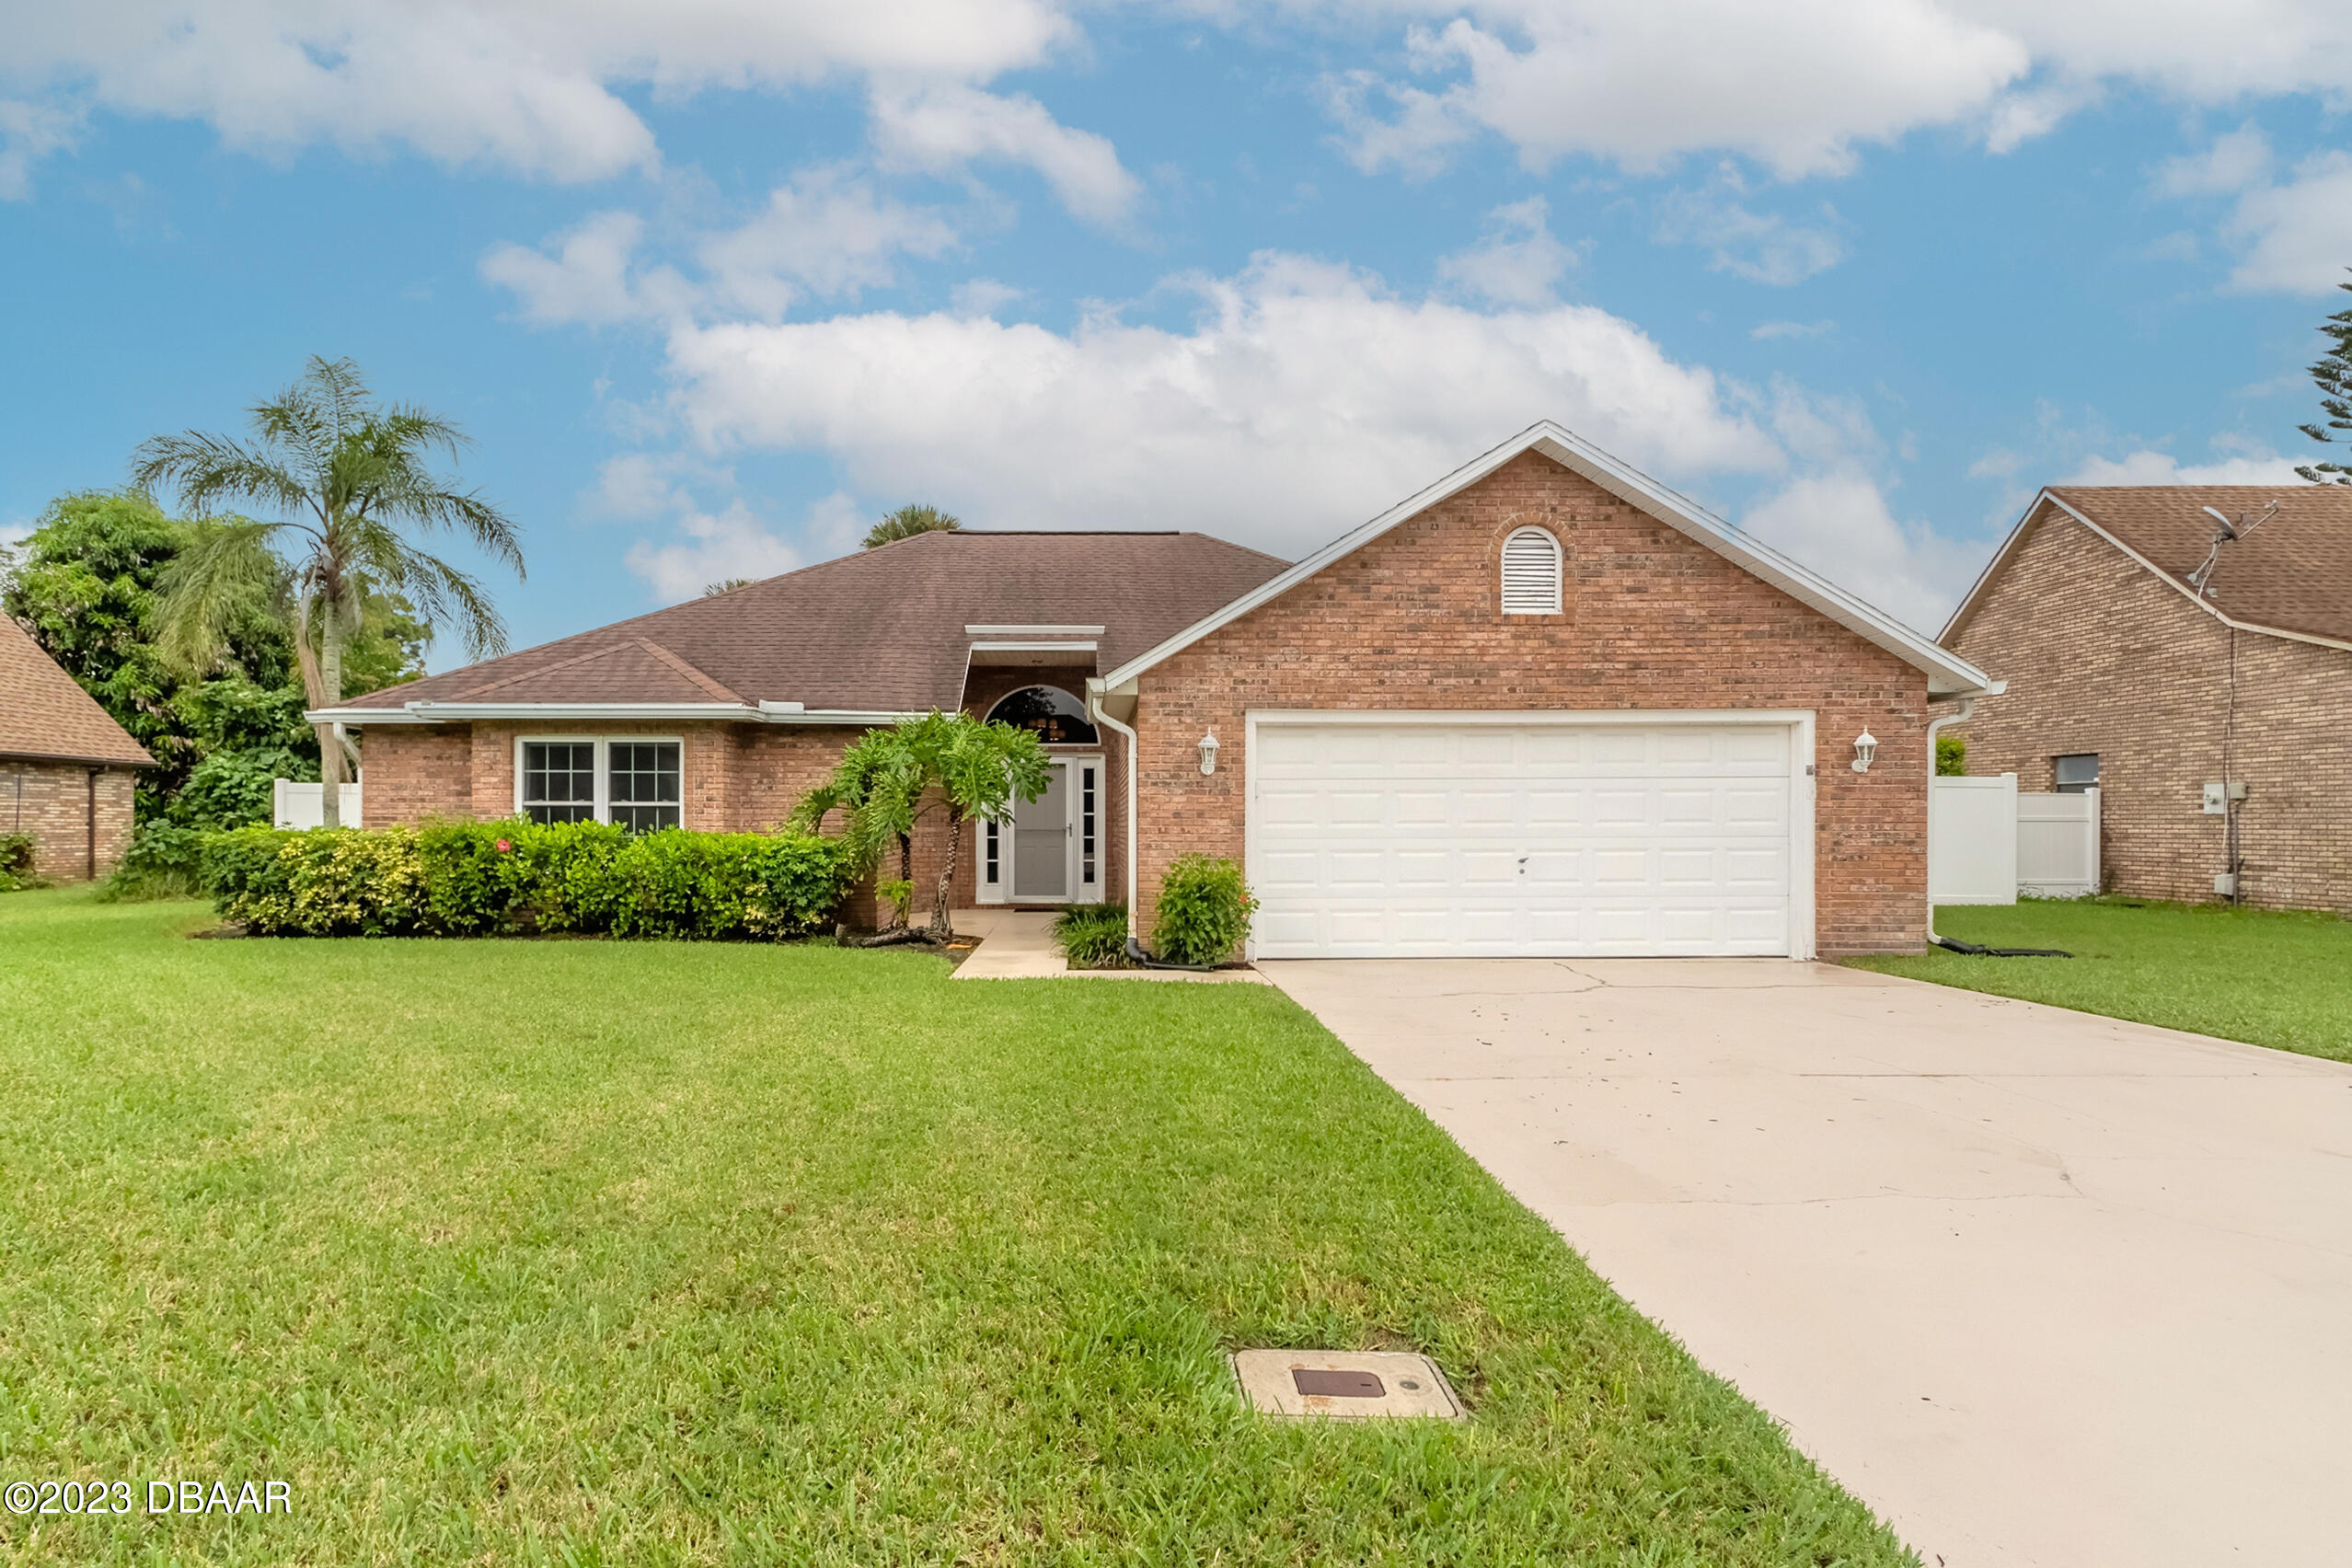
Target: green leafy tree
<point>2334,376</point>
<point>1952,756</point>
<point>85,588</point>
<point>349,476</point>
<point>951,766</point>
<point>909,521</point>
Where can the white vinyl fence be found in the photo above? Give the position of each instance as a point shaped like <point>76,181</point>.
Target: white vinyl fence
<point>2058,845</point>
<point>1986,843</point>
<point>1972,840</point>
<point>304,806</point>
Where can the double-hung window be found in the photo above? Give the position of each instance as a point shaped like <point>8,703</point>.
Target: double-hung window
<point>632,783</point>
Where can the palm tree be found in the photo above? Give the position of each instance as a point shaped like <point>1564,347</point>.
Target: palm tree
<point>909,521</point>
<point>348,477</point>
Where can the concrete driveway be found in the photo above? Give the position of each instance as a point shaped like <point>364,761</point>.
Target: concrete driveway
<point>2040,1287</point>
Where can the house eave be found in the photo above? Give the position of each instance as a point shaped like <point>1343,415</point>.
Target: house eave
<point>609,712</point>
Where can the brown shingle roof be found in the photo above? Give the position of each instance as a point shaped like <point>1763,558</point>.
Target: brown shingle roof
<point>2294,572</point>
<point>45,713</point>
<point>880,631</point>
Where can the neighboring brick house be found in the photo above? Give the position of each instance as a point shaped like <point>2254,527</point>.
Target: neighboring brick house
<point>66,768</point>
<point>1545,707</point>
<point>2119,674</point>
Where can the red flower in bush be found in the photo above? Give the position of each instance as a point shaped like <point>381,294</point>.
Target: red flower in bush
<point>504,845</point>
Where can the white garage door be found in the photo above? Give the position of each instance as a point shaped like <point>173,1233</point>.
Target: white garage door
<point>1521,839</point>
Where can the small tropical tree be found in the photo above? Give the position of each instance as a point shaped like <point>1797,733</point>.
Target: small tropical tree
<point>909,521</point>
<point>349,476</point>
<point>948,764</point>
<point>2334,376</point>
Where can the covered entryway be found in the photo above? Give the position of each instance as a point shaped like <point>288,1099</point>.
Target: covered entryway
<point>1530,834</point>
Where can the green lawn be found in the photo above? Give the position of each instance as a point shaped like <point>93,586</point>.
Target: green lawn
<point>2273,979</point>
<point>594,1252</point>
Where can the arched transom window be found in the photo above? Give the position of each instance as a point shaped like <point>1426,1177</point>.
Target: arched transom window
<point>1059,718</point>
<point>1531,573</point>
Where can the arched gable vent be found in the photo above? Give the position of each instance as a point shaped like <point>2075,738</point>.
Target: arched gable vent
<point>1531,573</point>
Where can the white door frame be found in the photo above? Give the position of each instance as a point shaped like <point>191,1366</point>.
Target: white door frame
<point>1081,891</point>
<point>1798,721</point>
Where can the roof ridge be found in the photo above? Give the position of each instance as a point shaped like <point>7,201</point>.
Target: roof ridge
<point>687,670</point>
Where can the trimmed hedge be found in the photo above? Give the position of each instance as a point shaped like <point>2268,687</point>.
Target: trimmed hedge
<point>491,879</point>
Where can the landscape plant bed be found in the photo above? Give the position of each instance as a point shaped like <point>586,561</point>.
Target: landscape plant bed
<point>2265,976</point>
<point>669,1252</point>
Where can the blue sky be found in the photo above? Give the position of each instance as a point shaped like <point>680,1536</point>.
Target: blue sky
<point>712,283</point>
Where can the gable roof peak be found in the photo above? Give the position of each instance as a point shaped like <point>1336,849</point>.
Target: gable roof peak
<point>1948,675</point>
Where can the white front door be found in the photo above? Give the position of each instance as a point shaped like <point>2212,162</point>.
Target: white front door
<point>1457,835</point>
<point>1049,850</point>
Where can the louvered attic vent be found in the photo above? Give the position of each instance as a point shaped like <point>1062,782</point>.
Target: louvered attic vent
<point>1531,573</point>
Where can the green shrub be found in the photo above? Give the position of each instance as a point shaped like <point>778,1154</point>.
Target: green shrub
<point>1952,756</point>
<point>477,878</point>
<point>238,789</point>
<point>1093,936</point>
<point>16,862</point>
<point>165,860</point>
<point>1205,909</point>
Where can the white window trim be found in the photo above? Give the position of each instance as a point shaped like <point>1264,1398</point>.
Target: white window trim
<point>603,809</point>
<point>1798,721</point>
<point>1559,571</point>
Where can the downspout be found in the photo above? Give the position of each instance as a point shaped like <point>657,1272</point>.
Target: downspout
<point>1102,716</point>
<point>1134,946</point>
<point>1968,706</point>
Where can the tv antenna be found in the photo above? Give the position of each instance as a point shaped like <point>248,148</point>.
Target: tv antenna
<point>2224,532</point>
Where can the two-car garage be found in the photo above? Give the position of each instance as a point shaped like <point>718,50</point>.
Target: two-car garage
<point>1530,834</point>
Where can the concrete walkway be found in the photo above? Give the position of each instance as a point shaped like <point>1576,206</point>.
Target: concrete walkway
<point>2041,1288</point>
<point>1018,944</point>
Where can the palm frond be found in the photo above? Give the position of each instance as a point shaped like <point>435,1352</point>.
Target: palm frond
<point>206,469</point>
<point>224,568</point>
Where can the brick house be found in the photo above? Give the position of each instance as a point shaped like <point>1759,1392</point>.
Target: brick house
<point>66,768</point>
<point>1544,706</point>
<point>2120,672</point>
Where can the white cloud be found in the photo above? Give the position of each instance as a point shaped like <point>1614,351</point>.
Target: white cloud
<point>1517,261</point>
<point>2147,467</point>
<point>2295,237</point>
<point>713,547</point>
<point>518,84</point>
<point>29,132</point>
<point>1641,83</point>
<point>943,127</point>
<point>828,233</point>
<point>1303,398</point>
<point>1799,87</point>
<point>984,296</point>
<point>2231,165</point>
<point>592,277</point>
<point>1770,331</point>
<point>1764,248</point>
<point>1840,522</point>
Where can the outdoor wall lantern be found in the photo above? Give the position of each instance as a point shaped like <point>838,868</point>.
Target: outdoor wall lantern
<point>1866,748</point>
<point>1208,753</point>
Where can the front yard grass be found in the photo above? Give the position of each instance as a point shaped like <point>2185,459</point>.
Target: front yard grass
<point>606,1252</point>
<point>2271,978</point>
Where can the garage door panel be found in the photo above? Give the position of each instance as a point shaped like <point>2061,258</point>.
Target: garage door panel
<point>1538,839</point>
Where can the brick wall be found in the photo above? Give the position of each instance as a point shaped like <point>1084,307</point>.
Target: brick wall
<point>736,778</point>
<point>2100,656</point>
<point>1654,620</point>
<point>51,801</point>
